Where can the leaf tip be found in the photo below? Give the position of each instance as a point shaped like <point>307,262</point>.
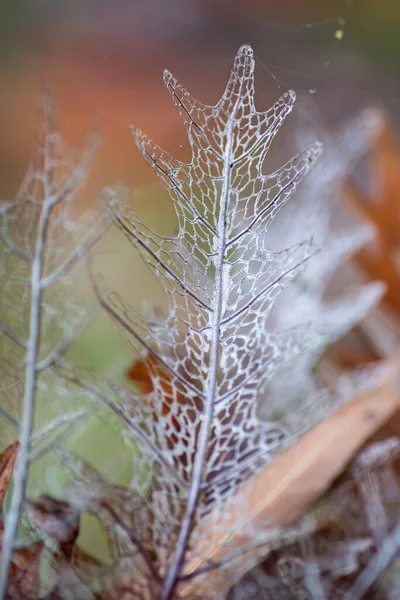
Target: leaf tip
<point>167,77</point>
<point>246,51</point>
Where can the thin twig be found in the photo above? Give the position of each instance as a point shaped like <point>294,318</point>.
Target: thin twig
<point>78,253</point>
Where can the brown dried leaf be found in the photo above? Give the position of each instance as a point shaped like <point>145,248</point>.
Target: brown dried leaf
<point>24,579</point>
<point>7,462</point>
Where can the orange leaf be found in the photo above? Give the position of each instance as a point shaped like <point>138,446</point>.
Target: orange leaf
<point>140,373</point>
<point>380,259</point>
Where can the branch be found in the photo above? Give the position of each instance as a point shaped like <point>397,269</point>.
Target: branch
<point>50,199</point>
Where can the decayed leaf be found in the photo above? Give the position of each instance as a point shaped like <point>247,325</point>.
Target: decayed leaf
<point>142,373</point>
<point>60,520</point>
<point>351,553</point>
<point>205,366</point>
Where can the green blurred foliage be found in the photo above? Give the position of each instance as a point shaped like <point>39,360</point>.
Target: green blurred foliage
<point>376,31</point>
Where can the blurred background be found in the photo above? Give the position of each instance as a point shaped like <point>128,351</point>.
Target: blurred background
<point>103,60</point>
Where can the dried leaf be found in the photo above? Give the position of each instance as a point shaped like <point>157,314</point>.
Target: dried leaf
<point>7,462</point>
<point>24,578</point>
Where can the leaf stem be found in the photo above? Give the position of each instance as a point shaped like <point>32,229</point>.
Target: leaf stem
<point>174,570</point>
<point>23,460</point>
